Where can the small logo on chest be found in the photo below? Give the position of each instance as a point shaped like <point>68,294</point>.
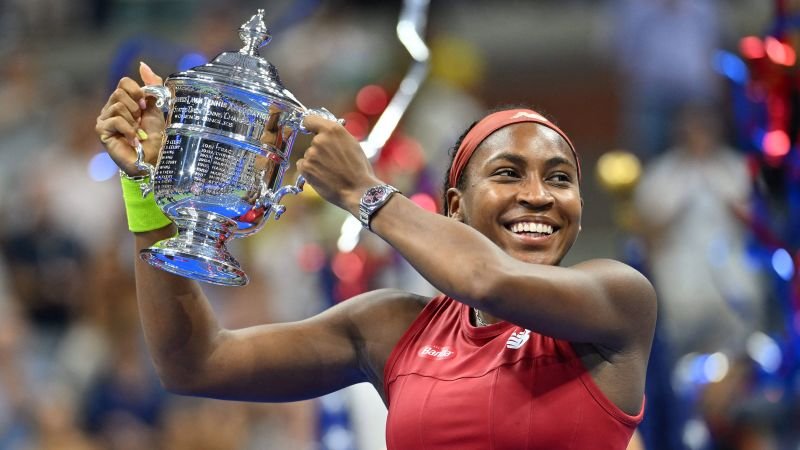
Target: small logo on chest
<point>518,339</point>
<point>436,352</point>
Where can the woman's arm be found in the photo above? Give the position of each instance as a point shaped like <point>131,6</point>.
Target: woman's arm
<point>276,362</point>
<point>191,352</point>
<point>600,302</point>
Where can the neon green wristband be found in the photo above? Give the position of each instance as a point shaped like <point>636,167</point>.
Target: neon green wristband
<point>143,213</point>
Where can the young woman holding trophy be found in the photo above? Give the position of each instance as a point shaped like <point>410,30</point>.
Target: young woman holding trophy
<point>517,351</point>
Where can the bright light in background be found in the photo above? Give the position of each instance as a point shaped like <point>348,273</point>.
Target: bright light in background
<point>695,369</point>
<point>357,124</point>
<point>779,52</point>
<point>782,264</point>
<point>695,434</point>
<point>348,267</point>
<point>348,235</point>
<point>372,99</point>
<point>101,167</point>
<point>765,351</point>
<point>406,153</point>
<point>715,367</point>
<point>776,143</point>
<point>752,47</point>
<point>730,66</point>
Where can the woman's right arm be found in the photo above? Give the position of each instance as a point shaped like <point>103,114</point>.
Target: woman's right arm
<point>191,352</point>
<point>275,362</point>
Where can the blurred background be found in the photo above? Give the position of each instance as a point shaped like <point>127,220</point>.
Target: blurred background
<point>685,114</point>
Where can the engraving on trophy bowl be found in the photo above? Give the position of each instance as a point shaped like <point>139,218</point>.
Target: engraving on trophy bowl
<point>230,129</point>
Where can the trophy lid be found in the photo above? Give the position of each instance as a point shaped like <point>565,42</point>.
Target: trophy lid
<point>246,68</point>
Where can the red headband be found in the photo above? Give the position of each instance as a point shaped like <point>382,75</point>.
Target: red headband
<point>492,123</point>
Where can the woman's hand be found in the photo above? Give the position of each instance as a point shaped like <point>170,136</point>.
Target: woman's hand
<point>335,165</point>
<point>128,116</point>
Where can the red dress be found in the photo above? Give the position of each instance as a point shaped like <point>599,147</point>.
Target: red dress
<point>451,385</point>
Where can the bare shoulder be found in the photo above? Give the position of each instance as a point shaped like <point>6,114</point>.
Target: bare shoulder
<point>384,305</point>
<point>628,290</point>
<point>619,277</point>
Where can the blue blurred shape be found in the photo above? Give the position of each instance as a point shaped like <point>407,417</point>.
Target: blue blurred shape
<point>765,351</point>
<point>191,60</point>
<point>101,167</point>
<point>782,264</point>
<point>731,66</point>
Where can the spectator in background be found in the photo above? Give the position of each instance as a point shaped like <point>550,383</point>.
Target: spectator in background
<point>689,202</point>
<point>663,50</point>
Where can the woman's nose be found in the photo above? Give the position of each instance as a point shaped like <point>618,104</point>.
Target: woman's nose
<point>535,194</point>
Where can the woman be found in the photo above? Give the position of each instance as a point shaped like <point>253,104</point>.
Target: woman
<point>518,352</point>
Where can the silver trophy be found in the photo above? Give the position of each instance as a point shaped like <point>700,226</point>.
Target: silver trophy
<point>230,128</point>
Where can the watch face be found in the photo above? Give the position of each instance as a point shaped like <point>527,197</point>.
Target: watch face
<point>374,195</point>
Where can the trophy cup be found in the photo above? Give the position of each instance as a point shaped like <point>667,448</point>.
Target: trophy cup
<point>230,128</point>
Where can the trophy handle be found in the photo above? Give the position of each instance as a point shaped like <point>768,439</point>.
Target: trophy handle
<point>161,93</point>
<point>295,120</point>
<point>145,186</point>
<point>163,97</point>
<point>275,197</point>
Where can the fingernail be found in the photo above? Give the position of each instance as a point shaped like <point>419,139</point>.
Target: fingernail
<point>142,134</point>
<point>142,103</point>
<point>144,64</point>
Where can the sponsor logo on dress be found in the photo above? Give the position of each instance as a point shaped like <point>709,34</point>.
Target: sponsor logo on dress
<point>436,352</point>
<point>518,339</point>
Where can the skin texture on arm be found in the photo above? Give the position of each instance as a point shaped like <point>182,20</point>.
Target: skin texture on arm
<point>275,362</point>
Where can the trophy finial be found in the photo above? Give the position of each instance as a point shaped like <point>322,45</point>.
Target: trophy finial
<point>254,33</point>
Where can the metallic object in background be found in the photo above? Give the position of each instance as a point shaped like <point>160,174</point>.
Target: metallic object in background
<point>230,128</point>
<point>410,30</point>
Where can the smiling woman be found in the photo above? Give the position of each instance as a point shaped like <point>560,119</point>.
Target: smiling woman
<point>517,352</point>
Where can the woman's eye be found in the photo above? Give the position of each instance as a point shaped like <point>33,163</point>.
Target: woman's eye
<point>560,178</point>
<point>505,173</point>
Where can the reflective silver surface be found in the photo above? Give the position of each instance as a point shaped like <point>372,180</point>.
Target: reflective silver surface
<point>230,129</point>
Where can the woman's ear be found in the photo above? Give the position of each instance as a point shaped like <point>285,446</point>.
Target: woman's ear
<point>453,197</point>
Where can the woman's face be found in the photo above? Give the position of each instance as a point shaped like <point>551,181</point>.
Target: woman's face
<point>522,193</point>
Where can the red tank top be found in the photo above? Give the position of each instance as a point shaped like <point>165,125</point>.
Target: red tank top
<point>451,385</point>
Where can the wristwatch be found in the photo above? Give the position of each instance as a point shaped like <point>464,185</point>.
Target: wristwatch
<point>372,200</point>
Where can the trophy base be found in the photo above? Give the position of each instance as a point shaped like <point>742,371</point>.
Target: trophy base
<point>198,250</point>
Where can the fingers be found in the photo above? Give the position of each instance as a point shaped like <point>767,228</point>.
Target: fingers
<point>129,92</point>
<point>147,74</point>
<point>316,124</point>
<point>115,127</point>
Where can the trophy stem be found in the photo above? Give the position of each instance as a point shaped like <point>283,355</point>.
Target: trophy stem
<point>198,250</point>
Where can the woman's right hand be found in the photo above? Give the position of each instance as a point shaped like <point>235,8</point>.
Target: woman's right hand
<point>129,116</point>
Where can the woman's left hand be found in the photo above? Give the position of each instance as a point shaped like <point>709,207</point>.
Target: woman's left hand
<point>335,165</point>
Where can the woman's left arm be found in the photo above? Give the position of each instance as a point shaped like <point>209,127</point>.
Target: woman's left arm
<point>602,302</point>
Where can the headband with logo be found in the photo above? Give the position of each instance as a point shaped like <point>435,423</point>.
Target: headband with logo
<point>492,123</point>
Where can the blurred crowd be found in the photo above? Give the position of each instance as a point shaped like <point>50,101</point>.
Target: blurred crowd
<point>74,373</point>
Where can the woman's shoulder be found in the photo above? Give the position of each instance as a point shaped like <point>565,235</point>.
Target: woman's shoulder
<point>616,273</point>
<point>386,306</point>
<point>377,321</point>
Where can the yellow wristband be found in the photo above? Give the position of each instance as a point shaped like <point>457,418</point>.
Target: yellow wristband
<point>143,213</point>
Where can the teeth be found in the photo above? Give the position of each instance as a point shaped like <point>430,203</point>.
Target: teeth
<point>531,227</point>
